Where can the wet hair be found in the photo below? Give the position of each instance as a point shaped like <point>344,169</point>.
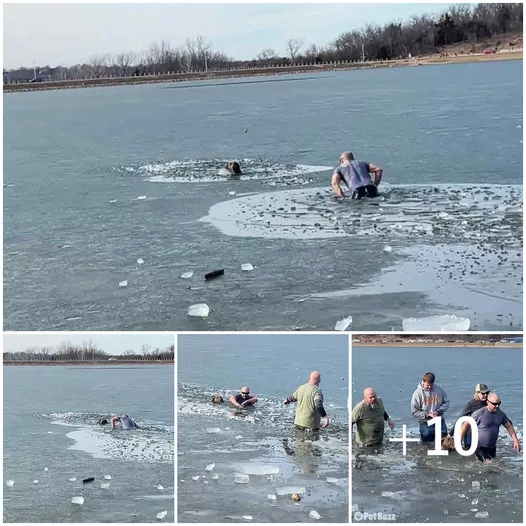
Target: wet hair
<point>102,421</point>
<point>217,399</point>
<point>429,378</point>
<point>234,167</point>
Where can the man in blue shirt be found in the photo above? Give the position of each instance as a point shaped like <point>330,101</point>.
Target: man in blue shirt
<point>356,176</point>
<point>488,420</point>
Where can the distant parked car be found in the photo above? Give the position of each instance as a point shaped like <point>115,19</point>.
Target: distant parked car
<point>38,79</point>
<point>489,51</point>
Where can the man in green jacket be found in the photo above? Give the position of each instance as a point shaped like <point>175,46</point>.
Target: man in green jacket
<point>309,410</point>
<point>370,416</point>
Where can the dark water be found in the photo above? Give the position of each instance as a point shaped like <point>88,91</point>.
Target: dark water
<point>250,442</point>
<point>51,436</point>
<point>75,162</point>
<point>385,481</point>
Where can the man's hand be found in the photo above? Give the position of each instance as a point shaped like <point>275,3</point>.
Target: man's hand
<point>326,423</point>
<point>516,446</point>
<point>390,423</point>
<point>432,414</point>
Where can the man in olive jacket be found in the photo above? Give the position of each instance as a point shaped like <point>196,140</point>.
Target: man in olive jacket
<point>309,410</point>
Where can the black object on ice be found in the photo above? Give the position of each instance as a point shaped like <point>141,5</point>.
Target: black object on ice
<point>89,479</point>
<point>214,274</point>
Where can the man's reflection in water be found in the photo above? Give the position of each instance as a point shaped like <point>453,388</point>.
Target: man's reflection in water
<point>305,452</point>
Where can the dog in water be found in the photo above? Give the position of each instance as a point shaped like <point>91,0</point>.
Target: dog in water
<point>448,443</point>
<point>217,399</point>
<point>234,168</point>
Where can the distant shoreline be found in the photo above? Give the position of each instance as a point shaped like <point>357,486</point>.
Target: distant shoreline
<point>76,364</point>
<point>263,71</point>
<point>497,345</point>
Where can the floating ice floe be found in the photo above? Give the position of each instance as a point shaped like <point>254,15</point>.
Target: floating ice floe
<point>213,430</point>
<point>187,275</point>
<point>105,485</point>
<point>199,310</point>
<point>388,248</point>
<point>196,477</point>
<point>215,476</point>
<point>141,197</point>
<point>231,193</point>
<point>313,514</point>
<point>272,497</point>
<point>123,284</point>
<point>481,515</point>
<point>396,495</point>
<point>443,323</point>
<point>35,482</point>
<point>247,267</point>
<point>342,325</point>
<point>247,517</point>
<point>161,514</point>
<point>107,477</point>
<point>258,469</point>
<point>77,500</point>
<point>73,479</point>
<point>289,490</point>
<point>10,483</point>
<point>159,487</point>
<point>46,469</point>
<point>210,467</point>
<point>140,261</point>
<point>113,200</point>
<point>241,478</point>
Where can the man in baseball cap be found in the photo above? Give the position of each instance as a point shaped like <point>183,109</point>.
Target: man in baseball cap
<point>478,401</point>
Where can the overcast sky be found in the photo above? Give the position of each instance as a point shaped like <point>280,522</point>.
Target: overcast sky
<point>111,343</point>
<point>70,33</point>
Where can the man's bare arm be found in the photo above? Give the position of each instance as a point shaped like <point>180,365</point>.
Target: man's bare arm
<point>377,171</point>
<point>335,183</point>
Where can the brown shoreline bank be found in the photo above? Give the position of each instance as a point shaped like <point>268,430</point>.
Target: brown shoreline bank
<point>84,364</point>
<point>264,71</point>
<point>497,345</point>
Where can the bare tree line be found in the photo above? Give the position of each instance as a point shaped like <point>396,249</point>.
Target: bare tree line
<point>87,351</point>
<point>420,35</point>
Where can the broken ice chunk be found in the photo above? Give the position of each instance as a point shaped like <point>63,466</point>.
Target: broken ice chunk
<point>313,514</point>
<point>272,497</point>
<point>241,478</point>
<point>35,482</point>
<point>210,467</point>
<point>161,514</point>
<point>140,261</point>
<point>46,469</point>
<point>123,284</point>
<point>215,476</point>
<point>187,275</point>
<point>388,248</point>
<point>447,322</point>
<point>332,479</point>
<point>10,483</point>
<point>247,517</point>
<point>213,430</point>
<point>199,310</point>
<point>481,515</point>
<point>342,325</point>
<point>247,267</point>
<point>113,200</point>
<point>73,479</point>
<point>159,487</point>
<point>196,477</point>
<point>141,197</point>
<point>107,477</point>
<point>232,193</point>
<point>258,469</point>
<point>105,485</point>
<point>77,500</point>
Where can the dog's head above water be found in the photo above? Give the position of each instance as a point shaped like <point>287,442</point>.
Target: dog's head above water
<point>217,399</point>
<point>233,167</point>
<point>448,443</point>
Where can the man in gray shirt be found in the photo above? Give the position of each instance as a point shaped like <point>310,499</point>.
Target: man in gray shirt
<point>488,420</point>
<point>355,175</point>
